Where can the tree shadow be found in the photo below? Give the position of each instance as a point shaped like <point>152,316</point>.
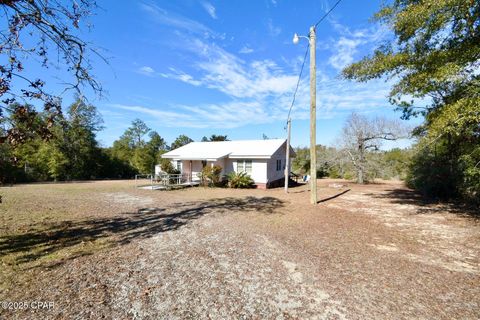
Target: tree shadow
<point>47,239</point>
<point>334,196</point>
<point>428,205</point>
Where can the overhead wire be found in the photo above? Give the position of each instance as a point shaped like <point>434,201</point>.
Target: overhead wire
<point>327,13</point>
<point>305,58</point>
<point>298,82</point>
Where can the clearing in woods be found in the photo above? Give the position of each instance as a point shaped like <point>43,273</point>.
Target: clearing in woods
<point>106,249</point>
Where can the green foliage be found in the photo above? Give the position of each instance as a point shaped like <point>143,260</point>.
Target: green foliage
<point>134,134</point>
<point>301,163</point>
<point>166,166</point>
<point>71,152</point>
<point>449,169</point>
<point>239,180</point>
<point>396,162</point>
<point>133,150</point>
<point>211,176</point>
<point>180,141</point>
<point>215,137</point>
<point>334,163</point>
<point>435,55</point>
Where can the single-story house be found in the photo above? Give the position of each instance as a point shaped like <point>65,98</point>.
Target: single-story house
<point>263,160</point>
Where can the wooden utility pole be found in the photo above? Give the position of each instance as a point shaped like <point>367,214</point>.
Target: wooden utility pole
<point>287,163</point>
<point>313,119</point>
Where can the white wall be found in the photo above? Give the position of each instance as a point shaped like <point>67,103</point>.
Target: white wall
<point>259,169</point>
<point>263,170</point>
<point>272,173</point>
<point>196,168</point>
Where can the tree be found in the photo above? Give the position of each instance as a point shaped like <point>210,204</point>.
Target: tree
<point>136,132</point>
<point>301,163</point>
<point>180,141</point>
<point>148,156</point>
<point>215,137</point>
<point>71,152</point>
<point>434,57</point>
<point>360,135</point>
<point>78,140</point>
<point>124,148</point>
<point>51,25</point>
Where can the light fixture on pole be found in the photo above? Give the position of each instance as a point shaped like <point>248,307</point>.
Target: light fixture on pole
<point>313,117</point>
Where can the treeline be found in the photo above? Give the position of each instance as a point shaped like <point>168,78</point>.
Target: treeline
<point>72,152</point>
<point>336,163</point>
<point>432,59</point>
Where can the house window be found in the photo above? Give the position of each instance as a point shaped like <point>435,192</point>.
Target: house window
<point>244,166</point>
<point>179,166</point>
<point>279,164</point>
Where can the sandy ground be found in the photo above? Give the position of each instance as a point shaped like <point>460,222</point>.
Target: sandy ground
<point>364,252</point>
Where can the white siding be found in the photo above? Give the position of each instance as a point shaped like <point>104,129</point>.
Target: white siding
<point>272,173</point>
<point>259,169</point>
<point>263,170</point>
<point>196,167</point>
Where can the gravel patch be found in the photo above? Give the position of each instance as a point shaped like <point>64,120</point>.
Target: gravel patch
<point>364,252</point>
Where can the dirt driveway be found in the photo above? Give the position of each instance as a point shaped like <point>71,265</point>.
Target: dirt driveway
<point>364,252</point>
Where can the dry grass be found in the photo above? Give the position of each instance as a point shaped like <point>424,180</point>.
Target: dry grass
<point>106,249</point>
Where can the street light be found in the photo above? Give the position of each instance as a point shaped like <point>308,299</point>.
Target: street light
<point>313,117</point>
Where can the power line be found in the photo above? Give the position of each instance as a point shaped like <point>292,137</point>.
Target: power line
<point>305,58</point>
<point>298,81</point>
<point>328,12</point>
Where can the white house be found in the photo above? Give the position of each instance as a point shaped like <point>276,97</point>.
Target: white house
<point>263,160</point>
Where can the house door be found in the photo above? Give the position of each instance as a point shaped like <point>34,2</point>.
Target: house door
<point>204,163</point>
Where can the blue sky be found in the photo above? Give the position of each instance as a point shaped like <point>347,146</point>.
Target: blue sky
<point>230,67</point>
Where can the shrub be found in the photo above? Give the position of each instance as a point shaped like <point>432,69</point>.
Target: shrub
<point>239,180</point>
<point>211,176</point>
<point>167,167</point>
<point>434,174</point>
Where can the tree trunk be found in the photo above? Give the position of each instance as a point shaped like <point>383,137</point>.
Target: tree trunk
<point>360,169</point>
<point>360,175</point>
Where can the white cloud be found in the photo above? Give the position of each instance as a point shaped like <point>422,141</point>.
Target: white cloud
<point>246,50</point>
<point>349,42</point>
<point>225,72</point>
<point>177,21</point>
<point>260,91</point>
<point>272,29</point>
<point>232,114</point>
<point>344,49</point>
<point>210,9</point>
<point>146,70</point>
<point>182,76</point>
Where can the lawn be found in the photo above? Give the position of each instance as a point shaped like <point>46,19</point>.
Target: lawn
<point>106,249</point>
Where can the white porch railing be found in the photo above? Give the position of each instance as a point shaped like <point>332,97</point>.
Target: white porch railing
<point>172,179</point>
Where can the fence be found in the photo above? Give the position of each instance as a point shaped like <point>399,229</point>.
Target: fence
<point>172,179</point>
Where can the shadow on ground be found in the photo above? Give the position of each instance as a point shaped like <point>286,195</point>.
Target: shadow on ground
<point>334,196</point>
<point>47,239</point>
<point>427,205</point>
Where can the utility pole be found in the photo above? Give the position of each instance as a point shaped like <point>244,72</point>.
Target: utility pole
<point>287,164</point>
<point>313,119</point>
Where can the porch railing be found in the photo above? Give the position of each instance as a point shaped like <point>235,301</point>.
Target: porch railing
<point>172,179</point>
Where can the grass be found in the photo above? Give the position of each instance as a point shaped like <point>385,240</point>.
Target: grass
<point>34,209</point>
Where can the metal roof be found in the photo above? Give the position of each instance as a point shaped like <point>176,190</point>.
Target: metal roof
<point>221,149</point>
